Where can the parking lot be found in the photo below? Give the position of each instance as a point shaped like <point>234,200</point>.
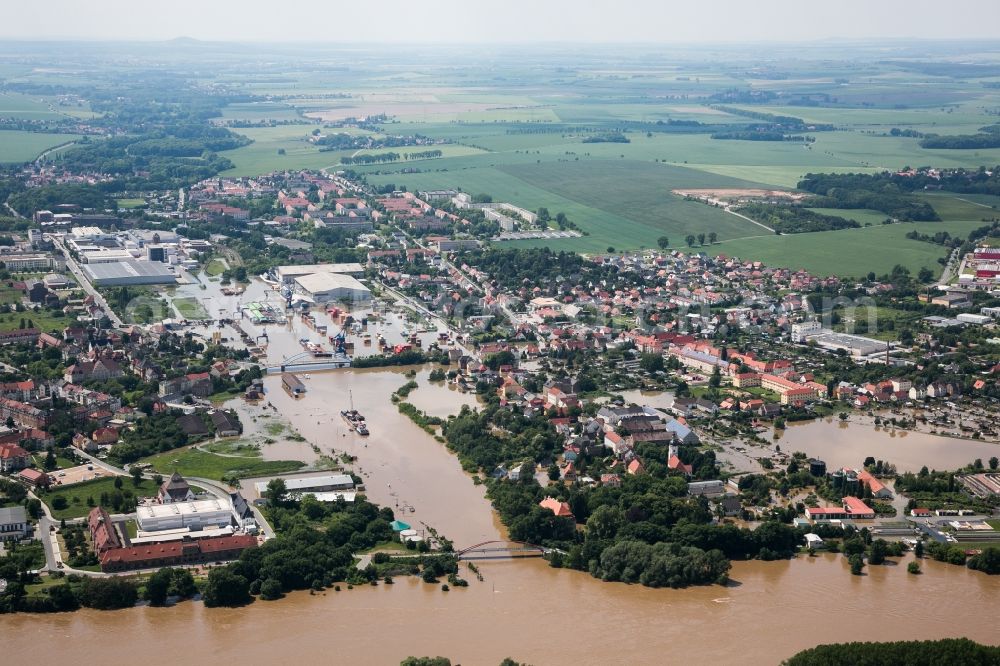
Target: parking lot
<point>78,474</point>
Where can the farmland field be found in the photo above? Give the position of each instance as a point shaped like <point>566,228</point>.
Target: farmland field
<point>20,146</point>
<point>848,252</point>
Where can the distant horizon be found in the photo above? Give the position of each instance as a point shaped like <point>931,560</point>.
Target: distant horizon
<point>710,22</point>
<point>826,41</point>
<point>873,40</point>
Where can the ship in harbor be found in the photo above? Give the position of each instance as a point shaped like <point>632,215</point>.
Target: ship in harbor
<point>354,419</point>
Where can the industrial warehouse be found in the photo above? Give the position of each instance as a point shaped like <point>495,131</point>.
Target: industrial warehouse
<point>122,273</point>
<point>329,287</point>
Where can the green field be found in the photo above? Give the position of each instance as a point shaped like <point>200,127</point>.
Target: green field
<point>848,252</point>
<point>78,494</point>
<point>635,200</point>
<point>262,156</point>
<point>44,320</point>
<point>259,111</point>
<point>131,203</point>
<point>215,267</point>
<point>193,462</point>
<point>190,308</point>
<point>859,215</point>
<point>18,146</point>
<point>24,107</point>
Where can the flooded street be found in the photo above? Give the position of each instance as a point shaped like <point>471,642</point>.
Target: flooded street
<point>848,444</point>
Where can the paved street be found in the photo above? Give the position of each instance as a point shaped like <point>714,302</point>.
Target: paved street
<point>85,283</point>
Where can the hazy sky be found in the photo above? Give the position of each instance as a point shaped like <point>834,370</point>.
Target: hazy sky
<point>463,21</point>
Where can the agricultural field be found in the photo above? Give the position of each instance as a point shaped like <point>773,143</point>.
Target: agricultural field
<point>618,193</point>
<point>525,133</point>
<point>24,107</point>
<point>262,156</point>
<point>18,146</point>
<point>848,252</point>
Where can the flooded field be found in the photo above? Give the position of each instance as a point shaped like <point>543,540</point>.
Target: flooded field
<point>848,444</point>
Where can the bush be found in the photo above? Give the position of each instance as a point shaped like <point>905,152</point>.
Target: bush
<point>913,567</point>
<point>270,589</point>
<point>108,593</point>
<point>226,588</point>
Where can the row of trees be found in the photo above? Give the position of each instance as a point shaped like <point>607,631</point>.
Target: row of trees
<point>915,653</point>
<point>873,191</point>
<point>795,219</point>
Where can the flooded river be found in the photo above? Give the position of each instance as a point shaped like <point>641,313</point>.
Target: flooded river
<point>530,612</point>
<point>524,610</point>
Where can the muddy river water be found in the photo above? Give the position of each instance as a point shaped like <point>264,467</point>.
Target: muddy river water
<point>522,609</point>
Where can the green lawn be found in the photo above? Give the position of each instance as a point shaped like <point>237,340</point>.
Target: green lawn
<point>190,308</point>
<point>19,146</point>
<point>215,267</point>
<point>78,494</point>
<point>192,462</point>
<point>131,203</point>
<point>45,320</point>
<point>62,462</point>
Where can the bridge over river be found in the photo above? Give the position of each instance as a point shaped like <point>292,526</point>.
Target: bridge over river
<point>497,550</point>
<point>308,362</point>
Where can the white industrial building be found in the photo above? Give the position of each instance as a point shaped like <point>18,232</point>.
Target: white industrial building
<point>801,330</point>
<point>327,287</point>
<point>301,485</point>
<point>856,345</point>
<point>195,515</point>
<point>287,274</point>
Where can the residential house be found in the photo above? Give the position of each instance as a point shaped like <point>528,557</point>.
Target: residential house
<point>198,384</point>
<point>560,509</point>
<point>13,458</point>
<point>100,368</point>
<point>14,523</point>
<point>34,478</point>
<point>225,424</point>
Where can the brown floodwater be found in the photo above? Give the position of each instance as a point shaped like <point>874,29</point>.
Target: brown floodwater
<point>403,467</point>
<point>848,444</point>
<point>530,612</point>
<point>523,609</point>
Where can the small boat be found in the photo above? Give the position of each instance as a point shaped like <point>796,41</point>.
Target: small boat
<point>362,429</point>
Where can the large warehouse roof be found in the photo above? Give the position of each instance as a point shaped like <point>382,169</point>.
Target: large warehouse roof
<point>129,272</point>
<point>287,273</point>
<point>323,282</point>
